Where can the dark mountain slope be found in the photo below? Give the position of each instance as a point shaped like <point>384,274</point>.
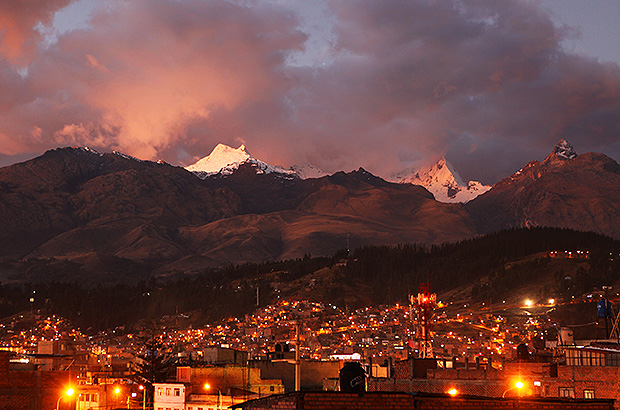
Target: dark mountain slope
<point>579,193</point>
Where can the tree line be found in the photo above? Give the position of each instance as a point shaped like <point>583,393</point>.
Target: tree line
<point>391,272</point>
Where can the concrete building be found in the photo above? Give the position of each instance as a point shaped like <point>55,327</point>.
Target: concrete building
<point>169,396</point>
<point>230,380</point>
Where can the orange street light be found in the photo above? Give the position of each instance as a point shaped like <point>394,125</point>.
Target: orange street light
<point>453,392</point>
<point>67,393</point>
<point>207,386</point>
<point>518,385</point>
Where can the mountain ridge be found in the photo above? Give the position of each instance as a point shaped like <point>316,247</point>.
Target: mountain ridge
<point>80,206</point>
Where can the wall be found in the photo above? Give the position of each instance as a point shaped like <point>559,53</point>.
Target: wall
<point>398,401</point>
<point>31,390</point>
<point>312,373</point>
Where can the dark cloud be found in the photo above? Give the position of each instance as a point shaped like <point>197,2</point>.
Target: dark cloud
<point>485,82</point>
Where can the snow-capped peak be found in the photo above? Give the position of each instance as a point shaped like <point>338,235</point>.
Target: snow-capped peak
<point>443,181</point>
<point>563,149</point>
<point>221,157</point>
<point>306,171</point>
<point>224,160</point>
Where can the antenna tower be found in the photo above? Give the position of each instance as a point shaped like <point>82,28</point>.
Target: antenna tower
<point>423,305</point>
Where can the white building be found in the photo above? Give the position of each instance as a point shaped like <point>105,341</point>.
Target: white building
<point>169,396</point>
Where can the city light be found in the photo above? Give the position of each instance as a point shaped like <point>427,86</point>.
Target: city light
<point>453,392</point>
<point>68,393</point>
<point>528,302</point>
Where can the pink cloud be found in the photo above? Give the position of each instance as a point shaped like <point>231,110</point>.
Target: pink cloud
<point>485,82</point>
<point>19,27</point>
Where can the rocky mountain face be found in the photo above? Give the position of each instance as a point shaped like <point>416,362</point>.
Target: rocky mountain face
<point>96,211</point>
<point>564,190</point>
<point>74,204</point>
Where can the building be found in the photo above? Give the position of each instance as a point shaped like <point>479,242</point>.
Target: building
<point>229,380</point>
<point>169,396</point>
<point>590,372</point>
<point>426,401</point>
<point>27,389</point>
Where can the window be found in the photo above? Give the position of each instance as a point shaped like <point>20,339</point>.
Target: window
<point>588,393</point>
<point>567,392</point>
<point>167,393</point>
<point>177,392</point>
<point>271,388</point>
<point>87,397</point>
<point>94,397</point>
<point>160,391</point>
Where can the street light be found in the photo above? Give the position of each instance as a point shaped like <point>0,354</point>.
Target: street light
<point>219,395</point>
<point>143,396</point>
<point>453,392</point>
<point>518,385</point>
<point>68,393</point>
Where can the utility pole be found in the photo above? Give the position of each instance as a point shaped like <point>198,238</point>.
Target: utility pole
<point>297,358</point>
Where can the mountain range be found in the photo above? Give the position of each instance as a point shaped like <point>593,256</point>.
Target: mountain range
<point>441,179</point>
<point>78,206</point>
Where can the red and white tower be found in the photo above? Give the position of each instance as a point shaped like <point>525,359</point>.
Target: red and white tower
<point>423,308</point>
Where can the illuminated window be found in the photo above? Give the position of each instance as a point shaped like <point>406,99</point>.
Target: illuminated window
<point>588,393</point>
<point>567,392</point>
<point>160,391</point>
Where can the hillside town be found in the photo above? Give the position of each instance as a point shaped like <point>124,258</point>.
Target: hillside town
<point>507,350</point>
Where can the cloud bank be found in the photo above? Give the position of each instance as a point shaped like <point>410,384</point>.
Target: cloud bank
<point>397,83</point>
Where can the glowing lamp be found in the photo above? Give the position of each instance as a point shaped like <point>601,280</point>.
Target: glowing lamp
<point>70,392</point>
<point>453,392</point>
<point>519,384</point>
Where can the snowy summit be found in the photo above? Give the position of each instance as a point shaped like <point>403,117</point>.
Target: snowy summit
<point>225,160</point>
<point>563,149</point>
<point>444,182</point>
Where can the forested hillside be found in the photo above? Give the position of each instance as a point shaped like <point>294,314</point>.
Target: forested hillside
<point>494,264</point>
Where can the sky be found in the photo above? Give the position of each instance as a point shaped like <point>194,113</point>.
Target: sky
<point>385,85</point>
